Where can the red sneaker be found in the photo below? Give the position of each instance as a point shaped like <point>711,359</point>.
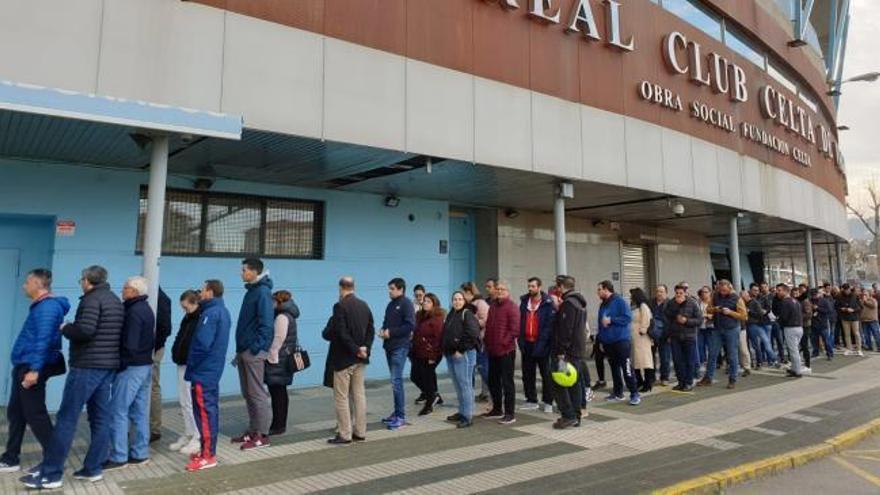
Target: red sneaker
<point>200,463</point>
<point>256,442</point>
<point>243,438</point>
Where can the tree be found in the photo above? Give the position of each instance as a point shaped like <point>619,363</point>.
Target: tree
<point>871,218</point>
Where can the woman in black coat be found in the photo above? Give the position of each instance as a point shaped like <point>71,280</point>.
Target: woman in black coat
<point>279,369</point>
<point>190,442</point>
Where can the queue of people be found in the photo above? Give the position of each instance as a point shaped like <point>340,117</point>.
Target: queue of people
<point>114,345</point>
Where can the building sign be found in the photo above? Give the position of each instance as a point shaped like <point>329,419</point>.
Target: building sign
<point>788,129</point>
<point>65,228</point>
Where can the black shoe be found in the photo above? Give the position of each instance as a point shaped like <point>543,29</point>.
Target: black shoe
<point>508,419</point>
<point>678,387</point>
<point>687,388</point>
<point>792,374</point>
<point>599,385</point>
<point>422,398</point>
<point>337,440</point>
<point>112,465</point>
<point>493,414</point>
<point>427,409</point>
<point>138,462</point>
<point>438,401</point>
<point>358,438</point>
<point>563,423</point>
<point>155,437</point>
<point>464,423</point>
<point>454,418</point>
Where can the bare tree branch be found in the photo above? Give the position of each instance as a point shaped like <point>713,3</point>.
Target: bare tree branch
<point>871,230</point>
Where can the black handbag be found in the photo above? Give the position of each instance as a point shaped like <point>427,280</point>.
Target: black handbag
<point>59,367</point>
<point>299,360</point>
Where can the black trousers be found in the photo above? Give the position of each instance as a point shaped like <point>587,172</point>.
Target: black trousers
<point>805,345</point>
<point>501,384</point>
<point>599,359</point>
<point>570,400</point>
<point>424,376</point>
<point>27,407</point>
<point>621,366</point>
<point>280,403</point>
<point>529,378</point>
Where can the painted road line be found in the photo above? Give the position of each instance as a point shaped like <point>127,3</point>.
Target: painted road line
<point>801,417</point>
<point>856,470</point>
<point>767,431</point>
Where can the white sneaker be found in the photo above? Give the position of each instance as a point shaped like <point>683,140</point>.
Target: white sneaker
<point>179,444</point>
<point>194,446</point>
<point>548,408</point>
<point>590,395</point>
<point>9,468</point>
<point>862,354</point>
<point>529,406</point>
<point>806,371</point>
<point>847,352</point>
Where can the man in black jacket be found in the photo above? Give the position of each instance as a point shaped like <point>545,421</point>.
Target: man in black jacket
<point>790,317</point>
<point>350,332</point>
<point>95,337</point>
<point>163,330</point>
<point>850,308</point>
<point>569,343</point>
<point>130,398</point>
<point>683,317</point>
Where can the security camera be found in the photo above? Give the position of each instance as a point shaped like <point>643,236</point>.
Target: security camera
<point>678,209</point>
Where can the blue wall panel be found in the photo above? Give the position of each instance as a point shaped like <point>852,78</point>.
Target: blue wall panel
<point>364,239</point>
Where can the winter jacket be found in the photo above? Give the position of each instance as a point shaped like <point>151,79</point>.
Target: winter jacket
<point>790,313</point>
<point>400,321</point>
<point>180,348</point>
<point>39,342</point>
<point>461,331</point>
<point>96,332</point>
<point>502,328</point>
<point>869,309</point>
<point>163,319</point>
<point>256,319</point>
<point>281,372</point>
<point>690,309</point>
<point>732,302</point>
<point>350,328</point>
<point>756,312</point>
<point>621,316</point>
<point>570,327</point>
<point>823,313</point>
<point>808,309</point>
<point>545,313</point>
<point>849,302</point>
<point>427,340</point>
<point>138,336</point>
<point>658,311</point>
<point>207,351</point>
<point>766,301</point>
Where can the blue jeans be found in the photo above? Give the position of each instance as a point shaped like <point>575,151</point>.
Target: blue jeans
<point>827,337</point>
<point>130,402</point>
<point>83,387</point>
<point>483,368</point>
<point>760,337</point>
<point>871,332</point>
<point>396,362</point>
<point>703,339</point>
<point>462,371</point>
<point>729,338</point>
<point>777,338</point>
<point>683,352</point>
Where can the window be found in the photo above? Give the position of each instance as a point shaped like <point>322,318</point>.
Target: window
<point>784,80</point>
<point>808,101</point>
<point>695,14</point>
<point>743,46</point>
<point>220,224</point>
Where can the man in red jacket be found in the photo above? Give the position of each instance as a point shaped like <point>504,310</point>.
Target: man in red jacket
<point>502,329</point>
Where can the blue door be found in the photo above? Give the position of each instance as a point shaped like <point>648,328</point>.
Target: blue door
<point>462,248</point>
<point>26,243</point>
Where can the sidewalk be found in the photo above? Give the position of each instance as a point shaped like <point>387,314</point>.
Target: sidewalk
<point>619,449</point>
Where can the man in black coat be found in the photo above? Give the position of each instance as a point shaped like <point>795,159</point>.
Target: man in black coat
<point>569,343</point>
<point>683,317</point>
<point>163,330</point>
<point>350,332</point>
<point>95,337</point>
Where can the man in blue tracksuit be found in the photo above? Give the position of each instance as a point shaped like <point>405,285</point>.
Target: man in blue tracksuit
<point>253,336</point>
<point>397,329</point>
<point>535,327</point>
<point>204,366</point>
<point>36,356</point>
<point>615,317</point>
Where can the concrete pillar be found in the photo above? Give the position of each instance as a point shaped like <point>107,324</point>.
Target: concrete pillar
<point>559,235</point>
<point>155,216</point>
<point>841,272</point>
<point>735,273</point>
<point>793,273</point>
<point>811,262</point>
<point>832,276</point>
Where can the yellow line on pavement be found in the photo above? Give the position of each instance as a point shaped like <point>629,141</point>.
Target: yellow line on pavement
<point>856,470</point>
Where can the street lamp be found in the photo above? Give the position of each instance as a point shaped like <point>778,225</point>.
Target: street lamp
<point>866,77</point>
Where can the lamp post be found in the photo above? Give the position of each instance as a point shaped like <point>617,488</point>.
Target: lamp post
<point>866,77</point>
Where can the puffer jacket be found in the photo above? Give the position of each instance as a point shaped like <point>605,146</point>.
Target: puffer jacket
<point>690,309</point>
<point>256,318</point>
<point>96,333</point>
<point>502,328</point>
<point>461,331</point>
<point>428,338</point>
<point>570,327</point>
<point>281,373</point>
<point>138,333</point>
<point>39,342</point>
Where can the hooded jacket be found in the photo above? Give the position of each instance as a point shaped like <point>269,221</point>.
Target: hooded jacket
<point>207,351</point>
<point>138,337</point>
<point>256,319</point>
<point>570,327</point>
<point>621,316</point>
<point>39,342</point>
<point>540,348</point>
<point>502,328</point>
<point>96,333</point>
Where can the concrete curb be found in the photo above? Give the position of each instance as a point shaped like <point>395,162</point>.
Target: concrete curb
<point>716,482</point>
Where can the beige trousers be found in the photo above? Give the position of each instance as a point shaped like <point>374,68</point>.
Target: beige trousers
<point>156,395</point>
<point>745,359</point>
<point>349,384</point>
<point>852,335</point>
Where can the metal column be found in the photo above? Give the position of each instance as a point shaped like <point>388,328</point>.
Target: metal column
<point>832,277</point>
<point>559,235</point>
<point>811,262</point>
<point>155,216</point>
<point>841,273</point>
<point>735,273</point>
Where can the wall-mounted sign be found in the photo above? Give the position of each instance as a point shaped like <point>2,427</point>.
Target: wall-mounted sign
<point>65,228</point>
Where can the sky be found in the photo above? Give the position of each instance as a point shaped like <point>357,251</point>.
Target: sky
<point>860,102</point>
